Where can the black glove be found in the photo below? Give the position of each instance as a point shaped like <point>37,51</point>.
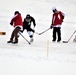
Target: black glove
<point>62,21</point>
<point>51,27</point>
<point>11,23</point>
<point>21,31</point>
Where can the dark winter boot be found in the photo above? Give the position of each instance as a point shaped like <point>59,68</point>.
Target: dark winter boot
<point>9,41</point>
<point>15,42</point>
<point>58,40</point>
<point>54,40</point>
<point>31,38</point>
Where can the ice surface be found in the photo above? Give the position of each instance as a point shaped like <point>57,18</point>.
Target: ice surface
<point>42,57</point>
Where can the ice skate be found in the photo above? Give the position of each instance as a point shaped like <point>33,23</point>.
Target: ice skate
<point>9,41</point>
<point>31,40</point>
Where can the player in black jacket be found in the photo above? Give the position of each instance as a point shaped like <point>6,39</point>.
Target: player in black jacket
<point>28,20</point>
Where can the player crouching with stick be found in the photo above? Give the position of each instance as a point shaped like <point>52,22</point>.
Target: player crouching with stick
<point>17,23</point>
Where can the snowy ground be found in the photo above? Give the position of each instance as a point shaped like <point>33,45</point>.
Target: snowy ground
<point>42,57</point>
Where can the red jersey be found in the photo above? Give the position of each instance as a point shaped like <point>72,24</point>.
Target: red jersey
<point>57,18</point>
<point>17,20</point>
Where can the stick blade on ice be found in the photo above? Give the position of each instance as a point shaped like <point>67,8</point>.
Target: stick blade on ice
<point>65,41</point>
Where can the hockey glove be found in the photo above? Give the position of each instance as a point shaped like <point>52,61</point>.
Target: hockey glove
<point>51,27</point>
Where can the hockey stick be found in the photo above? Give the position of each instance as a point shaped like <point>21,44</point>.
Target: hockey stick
<point>24,37</point>
<point>44,31</point>
<point>37,33</point>
<point>69,38</point>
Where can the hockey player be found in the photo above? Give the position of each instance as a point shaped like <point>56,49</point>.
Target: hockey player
<point>28,20</point>
<point>17,23</point>
<point>57,20</point>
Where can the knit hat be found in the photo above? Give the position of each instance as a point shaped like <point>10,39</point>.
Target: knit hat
<point>16,12</point>
<point>27,16</point>
<point>54,8</point>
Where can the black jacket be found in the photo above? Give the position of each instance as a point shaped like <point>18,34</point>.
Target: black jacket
<point>27,24</point>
